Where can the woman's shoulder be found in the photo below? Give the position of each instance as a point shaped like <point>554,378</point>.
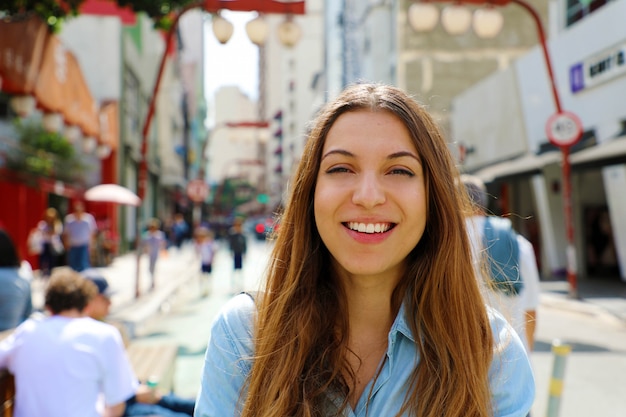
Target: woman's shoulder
<point>504,335</point>
<point>232,328</point>
<point>238,311</point>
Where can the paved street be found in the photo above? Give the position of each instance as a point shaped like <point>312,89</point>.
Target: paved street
<point>185,316</point>
<point>176,312</point>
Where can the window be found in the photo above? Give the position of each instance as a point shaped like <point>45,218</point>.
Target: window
<point>579,9</point>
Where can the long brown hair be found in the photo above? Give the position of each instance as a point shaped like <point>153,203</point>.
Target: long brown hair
<point>301,327</point>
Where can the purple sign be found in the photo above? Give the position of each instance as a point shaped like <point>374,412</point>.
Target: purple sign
<point>577,77</point>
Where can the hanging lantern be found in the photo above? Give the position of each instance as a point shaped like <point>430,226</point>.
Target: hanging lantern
<point>487,22</point>
<point>23,105</point>
<point>72,133</point>
<point>103,151</point>
<point>423,17</point>
<point>52,122</point>
<point>257,30</point>
<point>222,29</point>
<point>89,144</point>
<point>289,32</point>
<point>456,19</point>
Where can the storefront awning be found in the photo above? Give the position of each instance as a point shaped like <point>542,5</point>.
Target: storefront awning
<point>21,50</point>
<point>35,62</point>
<point>527,164</point>
<point>607,153</point>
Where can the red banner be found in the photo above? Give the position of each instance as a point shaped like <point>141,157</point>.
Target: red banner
<point>261,6</point>
<point>109,8</point>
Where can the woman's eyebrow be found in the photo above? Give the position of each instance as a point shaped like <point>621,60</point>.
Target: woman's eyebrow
<point>339,152</point>
<point>402,154</point>
<point>395,155</point>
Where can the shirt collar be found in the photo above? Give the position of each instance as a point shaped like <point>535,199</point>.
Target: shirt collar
<point>400,325</point>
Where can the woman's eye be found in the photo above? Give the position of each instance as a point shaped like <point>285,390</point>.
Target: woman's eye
<point>337,170</point>
<point>402,171</point>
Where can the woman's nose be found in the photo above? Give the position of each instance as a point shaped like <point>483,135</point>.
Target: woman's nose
<point>368,192</point>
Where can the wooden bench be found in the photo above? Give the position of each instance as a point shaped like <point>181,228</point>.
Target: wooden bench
<point>7,393</point>
<point>156,362</point>
<point>7,386</point>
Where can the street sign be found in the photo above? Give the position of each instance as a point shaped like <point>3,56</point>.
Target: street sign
<point>564,128</point>
<point>197,191</point>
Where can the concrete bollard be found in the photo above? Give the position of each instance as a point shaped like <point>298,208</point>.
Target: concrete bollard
<point>560,351</point>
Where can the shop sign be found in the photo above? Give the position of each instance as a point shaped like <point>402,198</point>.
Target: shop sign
<point>604,66</point>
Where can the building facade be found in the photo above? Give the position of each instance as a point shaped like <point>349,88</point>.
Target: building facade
<point>503,120</point>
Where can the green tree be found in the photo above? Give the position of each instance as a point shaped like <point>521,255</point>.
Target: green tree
<point>44,154</point>
<point>55,11</point>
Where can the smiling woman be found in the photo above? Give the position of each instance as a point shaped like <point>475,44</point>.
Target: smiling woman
<point>370,305</point>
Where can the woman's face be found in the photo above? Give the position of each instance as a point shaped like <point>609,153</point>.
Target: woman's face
<point>370,202</point>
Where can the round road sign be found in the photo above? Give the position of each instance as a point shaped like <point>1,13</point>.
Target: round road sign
<point>564,128</point>
<point>197,191</point>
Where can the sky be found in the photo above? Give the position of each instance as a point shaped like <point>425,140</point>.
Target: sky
<point>236,62</point>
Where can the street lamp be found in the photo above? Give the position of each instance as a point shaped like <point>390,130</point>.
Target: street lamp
<point>563,128</point>
<point>210,6</point>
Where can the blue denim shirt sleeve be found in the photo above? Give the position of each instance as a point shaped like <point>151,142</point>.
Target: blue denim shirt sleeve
<point>227,360</point>
<point>511,375</point>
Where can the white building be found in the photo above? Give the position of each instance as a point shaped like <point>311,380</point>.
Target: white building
<point>503,121</point>
<point>120,62</point>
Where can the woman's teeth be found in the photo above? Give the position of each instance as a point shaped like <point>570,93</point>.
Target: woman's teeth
<point>369,227</point>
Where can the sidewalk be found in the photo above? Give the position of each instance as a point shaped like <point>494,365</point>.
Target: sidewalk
<point>596,296</point>
<point>599,297</point>
<point>172,272</point>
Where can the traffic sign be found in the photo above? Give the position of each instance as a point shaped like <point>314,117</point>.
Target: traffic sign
<point>564,128</point>
<point>197,191</point>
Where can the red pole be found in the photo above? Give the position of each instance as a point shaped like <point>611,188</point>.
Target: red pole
<point>544,48</point>
<point>143,175</point>
<point>143,163</point>
<point>566,168</point>
<point>569,224</point>
<point>570,251</point>
<point>269,6</point>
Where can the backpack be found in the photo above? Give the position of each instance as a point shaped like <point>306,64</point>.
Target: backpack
<point>502,250</point>
<point>237,243</point>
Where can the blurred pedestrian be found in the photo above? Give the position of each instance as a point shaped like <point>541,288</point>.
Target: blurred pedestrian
<point>370,305</point>
<point>67,364</point>
<point>15,285</point>
<point>46,241</point>
<point>180,229</point>
<point>514,262</point>
<point>146,401</point>
<point>79,236</point>
<point>238,246</point>
<point>205,247</point>
<point>153,243</point>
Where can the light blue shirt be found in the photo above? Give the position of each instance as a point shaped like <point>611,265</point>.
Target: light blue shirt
<point>227,364</point>
<point>79,231</point>
<point>15,295</point>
